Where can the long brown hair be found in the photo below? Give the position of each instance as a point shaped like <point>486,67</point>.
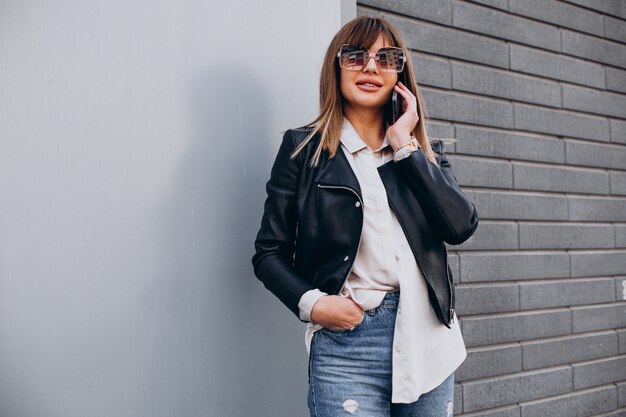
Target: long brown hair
<point>363,31</point>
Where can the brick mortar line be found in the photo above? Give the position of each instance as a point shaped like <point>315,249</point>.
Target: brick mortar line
<point>480,65</point>
<point>540,193</point>
<point>539,281</point>
<point>526,133</point>
<point>580,391</point>
<point>592,10</point>
<point>550,339</point>
<point>543,310</point>
<point>563,110</point>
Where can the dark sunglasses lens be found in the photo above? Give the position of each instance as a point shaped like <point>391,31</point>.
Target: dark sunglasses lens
<point>390,59</point>
<point>352,56</point>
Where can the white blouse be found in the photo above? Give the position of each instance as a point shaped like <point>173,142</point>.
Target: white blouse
<point>425,352</point>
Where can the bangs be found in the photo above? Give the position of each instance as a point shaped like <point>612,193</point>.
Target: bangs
<point>366,31</point>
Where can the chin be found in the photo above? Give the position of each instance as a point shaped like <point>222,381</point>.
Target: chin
<point>363,99</point>
<point>374,102</point>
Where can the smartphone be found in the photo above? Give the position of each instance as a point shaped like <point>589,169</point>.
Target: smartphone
<point>396,106</point>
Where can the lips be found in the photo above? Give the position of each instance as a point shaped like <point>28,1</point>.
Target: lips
<point>369,80</point>
<point>361,85</point>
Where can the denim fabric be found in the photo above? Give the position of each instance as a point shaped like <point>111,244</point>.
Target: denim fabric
<point>350,371</point>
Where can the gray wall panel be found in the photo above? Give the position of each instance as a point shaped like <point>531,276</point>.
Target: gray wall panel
<point>135,143</point>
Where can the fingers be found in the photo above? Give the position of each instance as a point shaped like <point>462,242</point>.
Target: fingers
<point>406,93</point>
<point>404,89</point>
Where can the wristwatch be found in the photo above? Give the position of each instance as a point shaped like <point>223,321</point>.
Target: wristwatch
<point>405,150</point>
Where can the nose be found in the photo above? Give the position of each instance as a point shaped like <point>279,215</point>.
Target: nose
<point>370,65</point>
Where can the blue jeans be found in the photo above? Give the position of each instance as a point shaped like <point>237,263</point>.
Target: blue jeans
<point>350,371</point>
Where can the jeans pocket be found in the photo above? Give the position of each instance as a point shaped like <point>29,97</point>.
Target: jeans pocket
<point>348,330</point>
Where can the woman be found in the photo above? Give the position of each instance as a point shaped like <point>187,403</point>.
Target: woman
<point>352,237</point>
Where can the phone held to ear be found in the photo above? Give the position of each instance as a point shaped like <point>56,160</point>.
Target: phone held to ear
<point>396,111</point>
<point>396,107</point>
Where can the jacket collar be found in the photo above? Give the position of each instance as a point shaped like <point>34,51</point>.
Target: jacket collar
<point>338,172</point>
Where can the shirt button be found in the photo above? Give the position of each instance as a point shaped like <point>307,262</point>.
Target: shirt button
<point>358,204</point>
<point>346,258</point>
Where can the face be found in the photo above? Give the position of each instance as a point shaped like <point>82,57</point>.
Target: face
<point>360,96</point>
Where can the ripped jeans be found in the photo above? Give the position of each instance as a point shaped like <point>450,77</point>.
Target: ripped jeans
<point>350,371</point>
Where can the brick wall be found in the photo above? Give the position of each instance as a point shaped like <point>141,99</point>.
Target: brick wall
<point>534,91</point>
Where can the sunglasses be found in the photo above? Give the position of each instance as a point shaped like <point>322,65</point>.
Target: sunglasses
<point>355,58</point>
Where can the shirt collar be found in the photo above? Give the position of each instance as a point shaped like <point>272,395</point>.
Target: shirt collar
<point>352,141</point>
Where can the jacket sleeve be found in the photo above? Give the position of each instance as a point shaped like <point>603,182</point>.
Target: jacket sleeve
<point>273,260</point>
<point>451,213</point>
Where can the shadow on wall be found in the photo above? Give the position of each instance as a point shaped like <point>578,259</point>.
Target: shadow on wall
<point>209,341</point>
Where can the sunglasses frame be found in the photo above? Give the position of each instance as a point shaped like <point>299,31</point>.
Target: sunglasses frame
<point>371,55</point>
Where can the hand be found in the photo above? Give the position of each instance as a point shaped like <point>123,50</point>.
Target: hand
<point>400,132</point>
<point>336,312</point>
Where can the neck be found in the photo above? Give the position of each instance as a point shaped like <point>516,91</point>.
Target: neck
<point>368,124</point>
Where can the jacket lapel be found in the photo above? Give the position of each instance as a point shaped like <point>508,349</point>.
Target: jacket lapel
<point>338,172</point>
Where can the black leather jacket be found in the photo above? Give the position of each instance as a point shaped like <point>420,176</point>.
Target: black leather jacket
<point>312,221</point>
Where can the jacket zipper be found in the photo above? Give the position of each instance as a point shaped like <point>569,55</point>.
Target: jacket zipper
<point>360,232</point>
<point>451,320</point>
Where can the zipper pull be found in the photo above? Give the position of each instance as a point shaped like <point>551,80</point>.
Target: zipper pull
<point>451,315</point>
